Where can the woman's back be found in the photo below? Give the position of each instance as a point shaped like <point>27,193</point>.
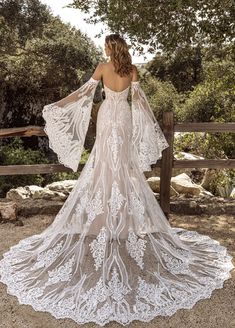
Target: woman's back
<point>113,80</point>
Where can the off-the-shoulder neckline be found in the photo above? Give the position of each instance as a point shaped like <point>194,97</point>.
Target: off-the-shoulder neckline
<point>94,79</point>
<point>132,82</point>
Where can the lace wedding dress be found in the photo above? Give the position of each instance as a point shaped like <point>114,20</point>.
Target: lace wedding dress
<point>110,253</point>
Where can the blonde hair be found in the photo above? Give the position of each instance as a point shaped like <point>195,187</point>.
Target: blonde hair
<point>119,56</point>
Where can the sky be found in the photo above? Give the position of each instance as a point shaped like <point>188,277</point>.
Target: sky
<point>76,18</point>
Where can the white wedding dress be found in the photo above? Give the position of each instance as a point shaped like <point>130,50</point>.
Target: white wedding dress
<point>110,253</point>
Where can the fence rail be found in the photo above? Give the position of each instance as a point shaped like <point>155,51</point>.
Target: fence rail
<point>166,163</point>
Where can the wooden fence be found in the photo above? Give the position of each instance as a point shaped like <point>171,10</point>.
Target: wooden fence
<point>166,163</point>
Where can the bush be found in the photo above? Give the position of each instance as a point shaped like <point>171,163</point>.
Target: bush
<point>14,153</point>
<point>203,144</point>
<point>162,96</point>
<point>213,100</point>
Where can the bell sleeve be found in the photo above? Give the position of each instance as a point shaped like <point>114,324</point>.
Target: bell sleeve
<point>148,139</point>
<point>67,122</point>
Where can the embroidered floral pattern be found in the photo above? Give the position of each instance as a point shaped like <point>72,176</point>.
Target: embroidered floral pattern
<point>98,246</point>
<point>100,293</point>
<point>46,258</point>
<point>66,126</point>
<point>136,208</point>
<point>164,297</point>
<point>116,288</point>
<point>114,141</point>
<point>110,267</point>
<point>154,294</point>
<point>150,141</point>
<point>87,173</point>
<point>136,248</point>
<point>116,200</point>
<point>176,265</point>
<point>61,273</point>
<point>95,207</point>
<point>82,205</point>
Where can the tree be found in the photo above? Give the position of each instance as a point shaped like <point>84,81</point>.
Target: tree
<point>26,16</point>
<point>183,68</point>
<point>42,59</point>
<point>164,25</point>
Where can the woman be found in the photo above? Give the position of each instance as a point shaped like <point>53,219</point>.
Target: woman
<point>111,254</point>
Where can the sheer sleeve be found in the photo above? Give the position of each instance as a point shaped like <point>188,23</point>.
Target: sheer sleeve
<point>67,123</point>
<point>147,137</point>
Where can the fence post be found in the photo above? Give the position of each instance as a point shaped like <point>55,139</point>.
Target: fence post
<point>167,163</point>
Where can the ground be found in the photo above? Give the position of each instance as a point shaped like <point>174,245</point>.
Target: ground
<point>216,312</point>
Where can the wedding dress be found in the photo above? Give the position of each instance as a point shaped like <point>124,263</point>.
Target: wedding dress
<point>110,253</point>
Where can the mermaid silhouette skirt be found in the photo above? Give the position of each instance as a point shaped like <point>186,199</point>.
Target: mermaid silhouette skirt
<point>110,253</point>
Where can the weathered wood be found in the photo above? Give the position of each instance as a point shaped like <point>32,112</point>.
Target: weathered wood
<point>34,169</point>
<point>179,164</point>
<point>166,163</point>
<point>205,163</point>
<point>200,163</point>
<point>31,130</point>
<point>25,131</point>
<point>204,127</point>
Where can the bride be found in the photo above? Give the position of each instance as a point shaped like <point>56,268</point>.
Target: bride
<point>110,253</point>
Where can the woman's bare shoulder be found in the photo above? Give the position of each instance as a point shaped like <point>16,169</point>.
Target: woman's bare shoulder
<point>98,73</point>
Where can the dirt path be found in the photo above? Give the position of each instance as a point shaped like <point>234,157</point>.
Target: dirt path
<point>216,312</point>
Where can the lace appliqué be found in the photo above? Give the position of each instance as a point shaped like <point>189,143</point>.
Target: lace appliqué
<point>82,205</point>
<point>136,248</point>
<point>95,207</point>
<point>147,138</point>
<point>67,122</point>
<point>152,293</point>
<point>61,273</point>
<point>136,208</point>
<point>114,141</point>
<point>98,247</point>
<point>175,265</point>
<point>116,288</point>
<point>46,258</point>
<point>116,200</point>
<point>87,173</point>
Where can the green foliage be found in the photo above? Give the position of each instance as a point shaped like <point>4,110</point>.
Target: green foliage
<point>162,96</point>
<point>69,175</point>
<point>201,144</point>
<point>223,183</point>
<point>42,60</point>
<point>27,17</point>
<point>164,24</point>
<point>210,146</point>
<point>14,153</point>
<point>61,176</point>
<point>183,67</point>
<point>213,101</point>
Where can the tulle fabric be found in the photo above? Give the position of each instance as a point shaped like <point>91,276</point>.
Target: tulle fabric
<point>110,253</point>
<point>148,139</point>
<point>67,123</point>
